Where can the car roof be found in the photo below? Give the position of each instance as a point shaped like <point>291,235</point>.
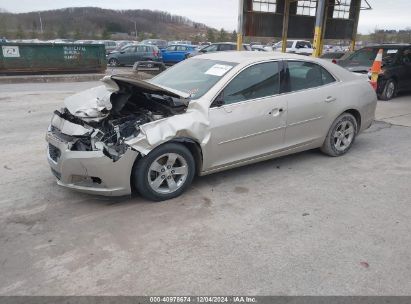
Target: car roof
<point>141,44</point>
<point>181,44</point>
<point>387,45</point>
<point>244,58</point>
<point>249,57</point>
<point>230,43</point>
<point>297,40</point>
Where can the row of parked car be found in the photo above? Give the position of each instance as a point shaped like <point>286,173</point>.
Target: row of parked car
<point>169,54</point>
<point>176,51</point>
<point>396,75</point>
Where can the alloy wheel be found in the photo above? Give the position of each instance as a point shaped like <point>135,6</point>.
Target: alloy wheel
<point>167,173</point>
<point>343,135</point>
<point>390,90</point>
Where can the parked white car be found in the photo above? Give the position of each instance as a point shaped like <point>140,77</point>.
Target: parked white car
<point>301,47</point>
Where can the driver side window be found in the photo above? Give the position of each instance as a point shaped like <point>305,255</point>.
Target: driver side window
<point>257,81</point>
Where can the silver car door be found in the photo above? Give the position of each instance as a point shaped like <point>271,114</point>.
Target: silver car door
<point>248,118</point>
<point>311,97</point>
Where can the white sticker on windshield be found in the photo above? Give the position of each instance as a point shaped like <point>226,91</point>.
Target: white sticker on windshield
<point>218,70</point>
<point>392,51</point>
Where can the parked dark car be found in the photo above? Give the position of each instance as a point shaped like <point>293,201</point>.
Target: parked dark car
<point>132,53</point>
<point>177,52</point>
<point>161,44</point>
<point>396,67</point>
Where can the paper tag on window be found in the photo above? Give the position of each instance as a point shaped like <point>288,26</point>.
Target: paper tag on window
<point>218,70</point>
<point>392,51</point>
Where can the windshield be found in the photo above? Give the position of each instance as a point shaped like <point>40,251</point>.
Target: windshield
<point>367,56</point>
<point>193,76</point>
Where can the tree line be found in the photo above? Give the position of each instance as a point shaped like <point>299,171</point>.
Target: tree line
<point>97,23</point>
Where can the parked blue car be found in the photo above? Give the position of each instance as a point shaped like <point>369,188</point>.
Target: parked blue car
<point>177,52</point>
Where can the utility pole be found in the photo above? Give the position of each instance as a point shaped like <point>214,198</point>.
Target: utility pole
<point>135,29</point>
<point>240,25</point>
<point>41,24</point>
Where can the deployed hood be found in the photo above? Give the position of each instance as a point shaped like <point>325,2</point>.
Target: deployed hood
<point>95,103</point>
<point>149,87</point>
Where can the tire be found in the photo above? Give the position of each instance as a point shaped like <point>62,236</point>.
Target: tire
<point>389,91</point>
<point>157,181</point>
<point>113,62</point>
<point>341,135</point>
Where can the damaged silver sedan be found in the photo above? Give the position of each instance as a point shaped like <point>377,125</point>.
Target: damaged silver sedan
<point>204,115</point>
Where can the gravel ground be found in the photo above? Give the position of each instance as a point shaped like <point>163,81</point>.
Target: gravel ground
<point>304,224</point>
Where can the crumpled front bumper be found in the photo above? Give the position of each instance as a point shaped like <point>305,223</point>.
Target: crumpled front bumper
<point>89,171</point>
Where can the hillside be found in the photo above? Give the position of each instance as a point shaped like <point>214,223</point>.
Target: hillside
<point>98,23</point>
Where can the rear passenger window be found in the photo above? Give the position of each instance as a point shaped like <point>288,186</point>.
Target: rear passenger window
<point>257,81</point>
<point>326,76</point>
<point>304,75</point>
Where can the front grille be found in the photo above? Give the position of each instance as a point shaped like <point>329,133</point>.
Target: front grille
<point>54,153</point>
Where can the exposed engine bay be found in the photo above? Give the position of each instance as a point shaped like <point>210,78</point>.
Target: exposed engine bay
<point>116,116</point>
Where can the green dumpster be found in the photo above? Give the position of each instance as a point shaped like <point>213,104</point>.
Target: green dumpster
<point>45,58</point>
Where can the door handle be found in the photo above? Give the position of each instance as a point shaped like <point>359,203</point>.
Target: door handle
<point>330,99</point>
<point>276,111</point>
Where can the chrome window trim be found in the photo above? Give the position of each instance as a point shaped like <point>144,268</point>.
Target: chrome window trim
<point>285,62</point>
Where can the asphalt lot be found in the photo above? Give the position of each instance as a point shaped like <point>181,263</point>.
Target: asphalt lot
<point>305,224</point>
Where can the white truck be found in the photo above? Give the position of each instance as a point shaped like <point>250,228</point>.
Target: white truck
<point>302,47</point>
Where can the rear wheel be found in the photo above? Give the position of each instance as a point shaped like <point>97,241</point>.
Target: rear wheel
<point>389,90</point>
<point>341,135</point>
<point>164,173</point>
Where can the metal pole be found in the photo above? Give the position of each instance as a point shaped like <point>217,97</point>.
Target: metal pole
<point>355,27</point>
<point>286,18</point>
<point>324,26</point>
<point>135,28</point>
<point>240,25</point>
<point>319,21</point>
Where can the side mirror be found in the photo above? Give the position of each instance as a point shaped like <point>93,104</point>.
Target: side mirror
<point>219,101</point>
<point>203,51</point>
<point>122,52</point>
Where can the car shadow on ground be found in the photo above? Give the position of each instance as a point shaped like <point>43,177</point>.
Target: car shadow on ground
<point>209,182</point>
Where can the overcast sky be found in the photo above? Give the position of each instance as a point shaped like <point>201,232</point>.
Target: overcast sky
<point>386,14</point>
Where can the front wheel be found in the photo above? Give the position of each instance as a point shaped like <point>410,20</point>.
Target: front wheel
<point>341,135</point>
<point>113,62</point>
<point>164,173</point>
<point>389,90</point>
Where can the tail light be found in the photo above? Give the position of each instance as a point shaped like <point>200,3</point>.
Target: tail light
<point>155,53</point>
<point>334,61</point>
